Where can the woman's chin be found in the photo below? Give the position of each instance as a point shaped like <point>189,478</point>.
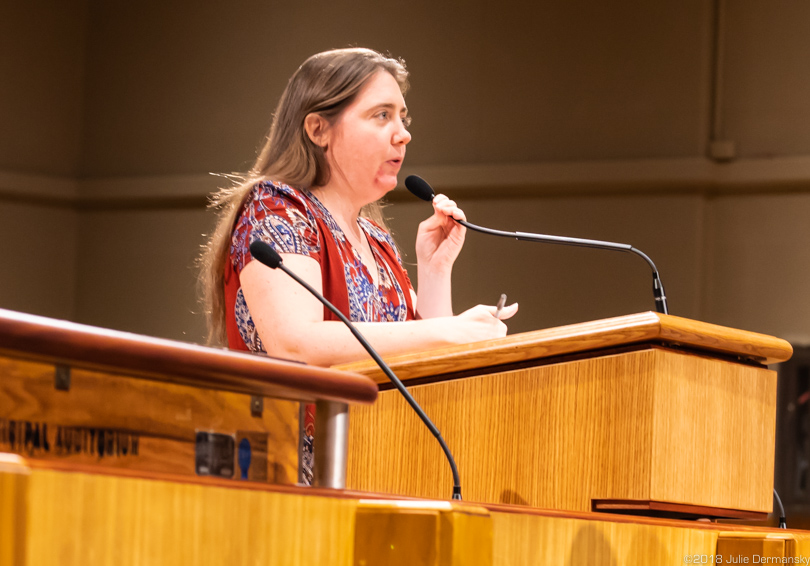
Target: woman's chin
<point>387,184</point>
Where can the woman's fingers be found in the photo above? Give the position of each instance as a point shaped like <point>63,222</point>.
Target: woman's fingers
<point>508,312</point>
<point>480,322</point>
<point>447,207</point>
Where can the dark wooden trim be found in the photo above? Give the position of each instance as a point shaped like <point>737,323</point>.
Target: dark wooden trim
<point>650,508</point>
<point>37,338</point>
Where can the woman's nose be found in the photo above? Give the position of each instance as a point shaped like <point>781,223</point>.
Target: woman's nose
<point>402,135</point>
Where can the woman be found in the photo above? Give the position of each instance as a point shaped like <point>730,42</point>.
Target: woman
<point>336,145</point>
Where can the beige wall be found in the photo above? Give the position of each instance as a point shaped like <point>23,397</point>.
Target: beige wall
<point>42,49</point>
<point>38,251</point>
<point>42,46</point>
<point>759,264</point>
<point>583,119</point>
<point>136,270</point>
<point>176,91</point>
<point>558,285</point>
<point>766,103</point>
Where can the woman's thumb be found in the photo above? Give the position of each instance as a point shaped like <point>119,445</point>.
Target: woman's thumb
<point>508,312</point>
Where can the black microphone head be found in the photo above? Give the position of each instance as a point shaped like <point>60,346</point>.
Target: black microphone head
<point>265,254</point>
<point>419,187</point>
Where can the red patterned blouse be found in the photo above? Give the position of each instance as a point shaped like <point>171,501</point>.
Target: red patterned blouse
<point>295,222</point>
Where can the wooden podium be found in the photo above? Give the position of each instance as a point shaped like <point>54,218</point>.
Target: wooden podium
<point>647,414</point>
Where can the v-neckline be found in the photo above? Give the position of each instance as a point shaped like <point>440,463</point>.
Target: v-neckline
<point>356,252</point>
<point>357,255</point>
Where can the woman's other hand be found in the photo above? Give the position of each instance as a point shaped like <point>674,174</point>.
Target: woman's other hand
<point>440,237</point>
<point>479,323</point>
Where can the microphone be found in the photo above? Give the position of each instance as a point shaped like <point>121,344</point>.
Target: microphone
<point>269,257</point>
<point>421,189</point>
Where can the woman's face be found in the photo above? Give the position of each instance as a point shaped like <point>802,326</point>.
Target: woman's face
<point>366,145</point>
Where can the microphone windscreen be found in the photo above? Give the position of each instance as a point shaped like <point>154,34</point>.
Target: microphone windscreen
<point>419,187</point>
<point>265,254</point>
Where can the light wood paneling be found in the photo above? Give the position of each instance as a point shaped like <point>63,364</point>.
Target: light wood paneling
<point>798,545</point>
<point>422,532</point>
<point>536,540</point>
<point>77,519</point>
<point>13,509</point>
<point>750,548</point>
<point>55,515</point>
<point>642,328</point>
<point>645,425</point>
<point>771,546</point>
<point>715,429</point>
<point>161,418</point>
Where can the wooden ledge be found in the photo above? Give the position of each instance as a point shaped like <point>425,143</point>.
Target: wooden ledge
<point>37,338</point>
<point>367,497</point>
<point>642,328</point>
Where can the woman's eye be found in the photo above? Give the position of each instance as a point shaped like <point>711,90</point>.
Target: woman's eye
<point>383,115</point>
<point>406,121</point>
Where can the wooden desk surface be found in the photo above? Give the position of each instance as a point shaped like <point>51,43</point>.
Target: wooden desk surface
<point>629,330</point>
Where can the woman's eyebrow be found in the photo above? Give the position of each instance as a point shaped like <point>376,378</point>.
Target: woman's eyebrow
<point>389,106</point>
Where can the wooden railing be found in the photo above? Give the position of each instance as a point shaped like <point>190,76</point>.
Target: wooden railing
<point>37,338</point>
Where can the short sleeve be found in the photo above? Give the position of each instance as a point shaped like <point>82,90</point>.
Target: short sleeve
<point>277,215</point>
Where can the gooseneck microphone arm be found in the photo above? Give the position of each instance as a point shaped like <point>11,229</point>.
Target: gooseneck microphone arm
<point>265,254</point>
<point>421,189</point>
<point>658,287</point>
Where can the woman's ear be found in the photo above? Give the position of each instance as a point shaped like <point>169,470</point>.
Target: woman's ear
<point>317,129</point>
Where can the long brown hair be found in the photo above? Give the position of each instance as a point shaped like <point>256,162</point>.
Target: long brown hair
<point>324,84</point>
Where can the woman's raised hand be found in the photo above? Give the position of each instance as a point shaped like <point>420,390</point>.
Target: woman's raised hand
<point>479,323</point>
<point>440,237</point>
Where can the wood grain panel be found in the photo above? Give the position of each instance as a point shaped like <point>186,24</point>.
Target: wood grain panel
<point>69,467</point>
<point>79,519</point>
<point>771,546</point>
<point>162,418</point>
<point>642,328</point>
<point>755,548</point>
<point>72,518</point>
<point>427,533</point>
<point>798,546</point>
<point>38,338</point>
<point>525,437</point>
<point>715,426</point>
<point>558,436</point>
<point>13,509</point>
<point>526,540</point>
